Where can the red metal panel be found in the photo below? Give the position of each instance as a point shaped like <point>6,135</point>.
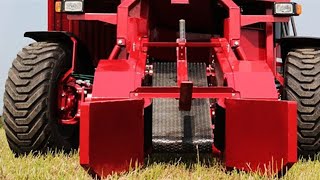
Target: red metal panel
<point>111,140</point>
<point>224,55</point>
<point>254,79</point>
<point>84,134</point>
<point>252,19</point>
<point>123,18</point>
<point>182,64</point>
<point>179,1</point>
<point>270,53</point>
<point>64,23</point>
<point>114,79</point>
<point>232,24</point>
<point>137,28</point>
<point>51,8</point>
<point>253,42</point>
<point>260,135</point>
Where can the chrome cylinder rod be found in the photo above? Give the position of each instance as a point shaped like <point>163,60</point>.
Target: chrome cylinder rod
<point>182,30</point>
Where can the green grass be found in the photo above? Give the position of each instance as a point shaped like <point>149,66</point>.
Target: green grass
<point>62,166</point>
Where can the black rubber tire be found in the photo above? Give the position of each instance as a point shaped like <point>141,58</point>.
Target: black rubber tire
<point>302,84</point>
<point>30,101</point>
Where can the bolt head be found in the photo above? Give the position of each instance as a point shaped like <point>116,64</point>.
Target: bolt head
<point>120,42</point>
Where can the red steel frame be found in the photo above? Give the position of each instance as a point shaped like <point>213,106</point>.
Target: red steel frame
<point>126,64</point>
<point>128,36</point>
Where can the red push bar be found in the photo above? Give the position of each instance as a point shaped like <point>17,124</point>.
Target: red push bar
<point>174,92</point>
<point>187,44</point>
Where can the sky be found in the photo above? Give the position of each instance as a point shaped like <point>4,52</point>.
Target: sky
<point>19,16</point>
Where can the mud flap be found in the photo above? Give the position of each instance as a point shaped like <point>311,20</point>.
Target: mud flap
<point>111,136</point>
<point>261,135</point>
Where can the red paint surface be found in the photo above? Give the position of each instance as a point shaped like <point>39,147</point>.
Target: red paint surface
<point>253,44</point>
<point>260,134</point>
<point>174,92</point>
<point>114,79</point>
<point>179,1</point>
<point>111,135</point>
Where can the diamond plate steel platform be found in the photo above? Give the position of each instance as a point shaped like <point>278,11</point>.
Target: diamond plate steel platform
<point>176,131</point>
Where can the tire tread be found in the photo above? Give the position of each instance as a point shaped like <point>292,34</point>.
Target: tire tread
<point>26,99</point>
<point>302,78</point>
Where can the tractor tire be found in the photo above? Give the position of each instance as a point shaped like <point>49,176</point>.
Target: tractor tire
<point>302,84</point>
<point>30,101</point>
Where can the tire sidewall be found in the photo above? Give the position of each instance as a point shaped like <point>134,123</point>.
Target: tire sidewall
<point>62,136</point>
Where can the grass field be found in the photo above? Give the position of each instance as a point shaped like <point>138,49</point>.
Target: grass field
<point>67,167</point>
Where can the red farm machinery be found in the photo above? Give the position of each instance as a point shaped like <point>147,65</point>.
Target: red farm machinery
<point>122,79</point>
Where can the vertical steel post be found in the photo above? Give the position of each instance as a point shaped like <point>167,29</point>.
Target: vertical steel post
<point>182,30</point>
<point>182,64</point>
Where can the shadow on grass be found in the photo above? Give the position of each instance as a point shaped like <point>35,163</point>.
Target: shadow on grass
<point>46,153</point>
<point>207,160</point>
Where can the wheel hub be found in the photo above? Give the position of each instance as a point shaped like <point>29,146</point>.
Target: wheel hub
<point>68,102</point>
